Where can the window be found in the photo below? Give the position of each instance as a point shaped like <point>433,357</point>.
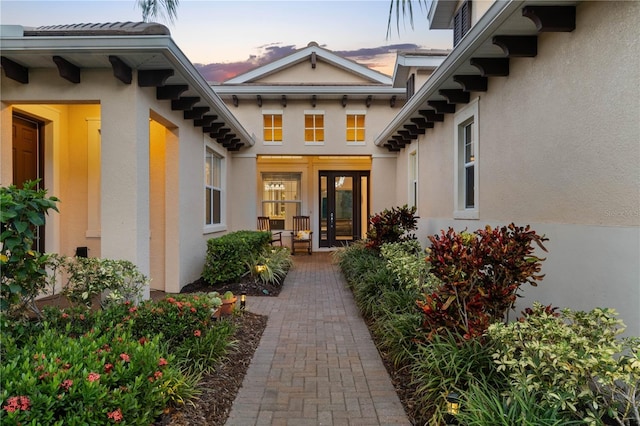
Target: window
<point>272,123</point>
<point>355,126</point>
<point>281,198</point>
<point>466,162</point>
<point>212,188</point>
<point>461,22</point>
<point>314,127</point>
<point>413,179</point>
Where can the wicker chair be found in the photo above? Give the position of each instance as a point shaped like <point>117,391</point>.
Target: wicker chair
<point>301,234</point>
<point>264,224</point>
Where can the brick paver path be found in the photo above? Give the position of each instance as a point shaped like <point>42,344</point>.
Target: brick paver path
<point>316,363</point>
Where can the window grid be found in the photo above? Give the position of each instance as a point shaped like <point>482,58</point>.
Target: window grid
<point>272,127</point>
<point>355,127</point>
<point>314,127</point>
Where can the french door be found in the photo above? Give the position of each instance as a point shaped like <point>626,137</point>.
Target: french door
<point>344,207</point>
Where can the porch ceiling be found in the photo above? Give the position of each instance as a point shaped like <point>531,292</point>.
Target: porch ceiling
<point>123,47</point>
<point>506,30</point>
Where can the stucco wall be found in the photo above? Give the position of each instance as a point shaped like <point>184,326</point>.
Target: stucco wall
<point>559,150</point>
<point>302,72</point>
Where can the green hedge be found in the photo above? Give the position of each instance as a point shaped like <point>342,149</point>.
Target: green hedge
<point>227,256</point>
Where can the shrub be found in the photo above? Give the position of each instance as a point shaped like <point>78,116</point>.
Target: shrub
<point>444,365</point>
<point>391,226</point>
<point>481,274</point>
<point>271,265</point>
<point>93,379</point>
<point>227,255</point>
<point>22,269</point>
<point>88,278</point>
<point>573,360</point>
<point>406,260</point>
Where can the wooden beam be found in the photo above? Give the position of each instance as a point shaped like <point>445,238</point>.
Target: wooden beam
<point>442,107</point>
<point>212,128</point>
<point>196,112</point>
<point>185,103</point>
<point>472,83</point>
<point>391,147</point>
<point>283,101</point>
<point>367,102</point>
<point>431,115</point>
<point>170,92</point>
<point>455,96</point>
<point>313,60</point>
<point>206,120</point>
<point>121,70</point>
<point>517,46</point>
<point>400,140</point>
<point>220,132</point>
<point>14,70</point>
<point>392,101</point>
<point>259,100</point>
<point>552,18</point>
<point>153,78</point>
<point>344,101</point>
<point>235,100</point>
<point>415,129</point>
<point>407,135</point>
<point>313,101</point>
<point>67,70</point>
<point>492,67</point>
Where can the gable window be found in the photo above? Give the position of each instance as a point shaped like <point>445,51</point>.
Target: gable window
<point>272,125</point>
<point>461,22</point>
<point>313,127</point>
<point>413,179</point>
<point>466,162</point>
<point>355,126</point>
<point>213,193</point>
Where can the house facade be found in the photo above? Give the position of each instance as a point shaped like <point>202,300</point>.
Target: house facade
<point>532,118</point>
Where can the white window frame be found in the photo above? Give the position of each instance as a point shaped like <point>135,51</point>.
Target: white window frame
<point>356,112</point>
<point>413,179</point>
<point>273,112</point>
<point>215,227</point>
<point>467,115</point>
<point>313,112</point>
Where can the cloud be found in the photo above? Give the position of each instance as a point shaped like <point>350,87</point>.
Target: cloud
<point>379,58</point>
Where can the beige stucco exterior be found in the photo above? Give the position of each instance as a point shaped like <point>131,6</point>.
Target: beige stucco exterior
<point>558,149</point>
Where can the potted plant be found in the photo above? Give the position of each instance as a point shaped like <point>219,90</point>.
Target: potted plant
<point>228,303</point>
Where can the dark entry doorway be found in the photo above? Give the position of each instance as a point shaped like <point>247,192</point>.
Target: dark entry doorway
<point>344,206</point>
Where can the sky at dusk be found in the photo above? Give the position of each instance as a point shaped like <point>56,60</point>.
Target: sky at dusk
<point>227,37</point>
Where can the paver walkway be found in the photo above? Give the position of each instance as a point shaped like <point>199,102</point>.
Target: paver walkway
<point>316,363</point>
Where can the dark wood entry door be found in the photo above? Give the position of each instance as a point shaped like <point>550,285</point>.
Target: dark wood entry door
<point>344,206</point>
<point>27,160</point>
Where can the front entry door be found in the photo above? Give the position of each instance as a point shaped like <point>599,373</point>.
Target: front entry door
<point>27,160</point>
<point>344,206</point>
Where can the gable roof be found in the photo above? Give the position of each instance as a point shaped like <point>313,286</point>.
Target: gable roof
<point>311,53</point>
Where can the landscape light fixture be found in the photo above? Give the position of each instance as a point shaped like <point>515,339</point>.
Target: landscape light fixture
<point>243,300</point>
<point>453,403</point>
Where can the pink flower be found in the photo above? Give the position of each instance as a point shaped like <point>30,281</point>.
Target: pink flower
<point>162,362</point>
<point>157,374</point>
<point>133,309</point>
<point>17,403</point>
<point>194,310</point>
<point>143,340</point>
<point>66,384</point>
<point>92,377</point>
<point>116,415</point>
<point>197,333</point>
<point>125,357</point>
<point>65,315</point>
<point>108,368</point>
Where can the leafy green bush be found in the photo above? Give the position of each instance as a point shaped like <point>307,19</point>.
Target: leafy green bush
<point>88,278</point>
<point>22,269</point>
<point>573,360</point>
<point>406,260</point>
<point>271,265</point>
<point>481,275</point>
<point>444,365</point>
<point>227,255</point>
<point>99,377</point>
<point>391,226</point>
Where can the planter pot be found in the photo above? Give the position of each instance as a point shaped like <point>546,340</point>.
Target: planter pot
<point>227,306</point>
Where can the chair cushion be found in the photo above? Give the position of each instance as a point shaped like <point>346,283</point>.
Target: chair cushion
<point>303,235</point>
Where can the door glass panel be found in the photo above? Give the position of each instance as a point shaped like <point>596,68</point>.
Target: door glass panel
<point>344,207</point>
<point>364,206</point>
<point>324,207</point>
